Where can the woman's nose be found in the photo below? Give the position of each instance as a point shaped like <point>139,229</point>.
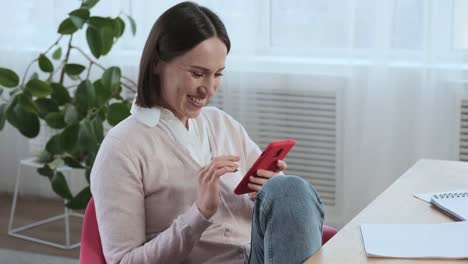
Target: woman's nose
<point>210,86</point>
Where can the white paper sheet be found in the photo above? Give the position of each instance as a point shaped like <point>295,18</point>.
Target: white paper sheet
<point>448,240</point>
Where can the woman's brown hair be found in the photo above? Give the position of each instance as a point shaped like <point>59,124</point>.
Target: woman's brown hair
<point>175,32</point>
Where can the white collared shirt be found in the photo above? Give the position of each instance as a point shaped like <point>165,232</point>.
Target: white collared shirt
<point>194,139</point>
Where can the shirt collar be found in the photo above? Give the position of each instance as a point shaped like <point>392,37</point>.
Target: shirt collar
<point>147,116</point>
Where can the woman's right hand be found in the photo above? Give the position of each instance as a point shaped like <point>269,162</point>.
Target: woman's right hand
<point>208,183</point>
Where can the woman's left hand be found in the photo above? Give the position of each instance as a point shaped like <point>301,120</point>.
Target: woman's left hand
<point>256,182</point>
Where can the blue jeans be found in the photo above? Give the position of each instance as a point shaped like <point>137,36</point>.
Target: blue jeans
<point>287,222</point>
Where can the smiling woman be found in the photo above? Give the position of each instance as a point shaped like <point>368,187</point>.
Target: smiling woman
<point>165,176</point>
<point>190,80</point>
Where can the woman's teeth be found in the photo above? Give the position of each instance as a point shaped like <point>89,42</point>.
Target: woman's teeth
<point>197,100</point>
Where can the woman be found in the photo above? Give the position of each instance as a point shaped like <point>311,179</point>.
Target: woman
<point>163,179</point>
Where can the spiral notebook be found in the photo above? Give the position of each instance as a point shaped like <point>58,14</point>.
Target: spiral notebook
<point>455,204</point>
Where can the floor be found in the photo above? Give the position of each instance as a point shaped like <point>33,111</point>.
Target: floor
<point>30,209</point>
<point>20,257</point>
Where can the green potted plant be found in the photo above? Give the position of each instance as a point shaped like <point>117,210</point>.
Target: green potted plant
<point>64,98</point>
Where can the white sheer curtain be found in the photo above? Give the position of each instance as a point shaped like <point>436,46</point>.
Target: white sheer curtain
<point>402,66</point>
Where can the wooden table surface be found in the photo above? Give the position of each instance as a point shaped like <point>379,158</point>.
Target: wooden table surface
<point>396,205</point>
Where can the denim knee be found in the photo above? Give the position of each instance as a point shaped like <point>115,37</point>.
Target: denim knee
<point>283,186</point>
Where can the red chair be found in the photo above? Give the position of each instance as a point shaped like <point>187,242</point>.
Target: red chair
<point>91,248</point>
<point>327,233</point>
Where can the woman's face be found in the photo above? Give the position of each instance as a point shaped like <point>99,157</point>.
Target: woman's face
<point>190,80</point>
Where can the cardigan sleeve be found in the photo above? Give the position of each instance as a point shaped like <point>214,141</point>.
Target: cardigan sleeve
<point>117,188</point>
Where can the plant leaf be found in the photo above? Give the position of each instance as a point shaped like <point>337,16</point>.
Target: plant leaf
<point>57,53</point>
<point>34,76</point>
<point>26,122</point>
<point>98,128</point>
<point>10,111</point>
<point>44,157</point>
<point>69,137</point>
<point>67,27</point>
<point>46,106</point>
<point>45,64</point>
<point>38,88</point>
<point>74,69</point>
<point>85,96</point>
<point>93,38</point>
<point>71,115</point>
<point>8,78</point>
<point>79,17</point>
<point>111,79</point>
<point>98,22</point>
<point>86,138</point>
<point>60,94</point>
<point>117,113</point>
<point>3,108</point>
<point>102,94</point>
<point>27,104</point>
<point>132,24</point>
<point>107,39</point>
<point>60,186</point>
<point>80,200</point>
<point>71,162</point>
<point>119,27</point>
<point>88,4</point>
<point>45,171</point>
<point>53,146</point>
<point>55,120</point>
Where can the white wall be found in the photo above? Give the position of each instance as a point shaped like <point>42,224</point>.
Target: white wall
<point>10,146</point>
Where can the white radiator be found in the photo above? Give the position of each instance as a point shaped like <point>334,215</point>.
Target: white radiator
<point>463,143</point>
<point>309,116</point>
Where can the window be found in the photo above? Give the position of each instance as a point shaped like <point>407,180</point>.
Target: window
<point>460,25</point>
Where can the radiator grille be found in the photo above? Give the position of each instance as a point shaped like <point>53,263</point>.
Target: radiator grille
<point>309,117</point>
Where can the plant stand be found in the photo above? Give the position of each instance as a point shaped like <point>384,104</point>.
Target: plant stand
<point>15,232</point>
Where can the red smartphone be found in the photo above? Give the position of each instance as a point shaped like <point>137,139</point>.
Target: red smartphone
<point>268,160</point>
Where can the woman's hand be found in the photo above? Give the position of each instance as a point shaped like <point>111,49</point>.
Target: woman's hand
<point>208,183</point>
<point>256,182</point>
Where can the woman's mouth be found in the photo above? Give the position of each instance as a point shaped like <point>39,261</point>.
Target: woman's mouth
<point>197,101</point>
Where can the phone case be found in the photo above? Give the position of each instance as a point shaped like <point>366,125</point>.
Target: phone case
<point>275,151</point>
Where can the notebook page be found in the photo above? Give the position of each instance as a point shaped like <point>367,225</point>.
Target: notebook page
<point>427,196</point>
<point>448,240</point>
<point>456,204</point>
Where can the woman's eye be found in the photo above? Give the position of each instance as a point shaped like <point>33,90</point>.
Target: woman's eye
<point>219,74</point>
<point>197,74</point>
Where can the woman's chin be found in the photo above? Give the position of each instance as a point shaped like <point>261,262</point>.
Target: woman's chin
<point>192,113</point>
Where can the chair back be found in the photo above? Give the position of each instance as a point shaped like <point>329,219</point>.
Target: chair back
<point>91,248</point>
<point>327,233</point>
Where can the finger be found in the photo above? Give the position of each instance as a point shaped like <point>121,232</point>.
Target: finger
<point>221,172</point>
<point>257,180</point>
<point>211,172</point>
<point>266,173</point>
<point>201,174</point>
<point>281,165</point>
<point>218,163</point>
<point>227,157</point>
<point>254,187</point>
<point>223,163</point>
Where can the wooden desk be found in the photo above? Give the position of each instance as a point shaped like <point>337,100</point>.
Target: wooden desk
<point>396,205</point>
